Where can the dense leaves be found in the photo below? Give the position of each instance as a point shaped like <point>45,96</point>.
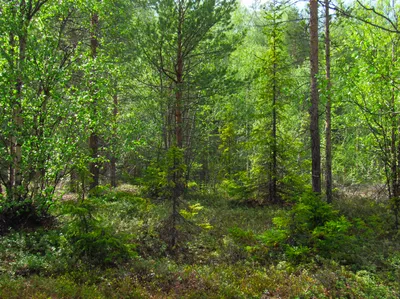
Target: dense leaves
<point>162,148</point>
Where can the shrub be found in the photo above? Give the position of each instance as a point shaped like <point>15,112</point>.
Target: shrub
<point>24,253</point>
<point>24,213</point>
<point>240,188</point>
<point>312,227</point>
<point>91,240</point>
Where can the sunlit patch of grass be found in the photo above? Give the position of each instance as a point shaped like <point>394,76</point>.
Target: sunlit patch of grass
<point>133,189</point>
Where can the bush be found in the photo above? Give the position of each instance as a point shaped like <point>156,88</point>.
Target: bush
<point>312,227</point>
<point>91,240</point>
<point>25,253</point>
<point>164,178</point>
<point>24,213</point>
<point>240,188</point>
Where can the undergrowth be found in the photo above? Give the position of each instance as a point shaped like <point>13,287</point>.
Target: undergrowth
<point>110,246</point>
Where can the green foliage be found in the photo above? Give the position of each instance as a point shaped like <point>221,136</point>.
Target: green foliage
<point>241,187</point>
<point>135,206</point>
<point>153,181</point>
<point>46,287</point>
<point>242,237</point>
<point>55,92</point>
<point>32,252</point>
<point>162,179</point>
<point>238,258</point>
<point>332,236</point>
<point>93,241</point>
<point>24,213</point>
<point>311,228</point>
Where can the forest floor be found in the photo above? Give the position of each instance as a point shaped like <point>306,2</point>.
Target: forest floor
<point>116,246</point>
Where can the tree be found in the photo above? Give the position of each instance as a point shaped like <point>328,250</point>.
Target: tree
<point>371,72</point>
<point>184,40</point>
<point>266,135</point>
<point>314,114</point>
<point>276,54</point>
<point>94,167</point>
<point>328,128</point>
<point>38,104</point>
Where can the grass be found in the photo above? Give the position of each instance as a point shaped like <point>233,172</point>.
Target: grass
<point>210,264</point>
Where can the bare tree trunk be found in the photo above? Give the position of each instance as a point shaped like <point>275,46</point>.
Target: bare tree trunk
<point>94,165</point>
<point>94,168</point>
<point>328,138</point>
<point>164,109</point>
<point>314,117</point>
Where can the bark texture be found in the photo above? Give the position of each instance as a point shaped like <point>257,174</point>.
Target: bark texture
<point>328,130</point>
<point>94,167</point>
<point>314,117</point>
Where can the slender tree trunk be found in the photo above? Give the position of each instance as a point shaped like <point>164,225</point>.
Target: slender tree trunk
<point>12,138</point>
<point>73,183</point>
<point>113,160</point>
<point>23,13</point>
<point>328,138</point>
<point>113,171</point>
<point>94,168</point>
<point>395,144</point>
<point>18,120</point>
<point>94,165</point>
<point>164,108</point>
<point>395,127</point>
<point>394,150</point>
<point>314,117</point>
<point>177,177</point>
<point>179,91</point>
<point>15,140</point>
<point>175,213</point>
<point>273,174</point>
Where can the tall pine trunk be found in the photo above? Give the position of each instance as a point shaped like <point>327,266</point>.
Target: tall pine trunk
<point>94,139</point>
<point>314,117</point>
<point>177,177</point>
<point>328,138</point>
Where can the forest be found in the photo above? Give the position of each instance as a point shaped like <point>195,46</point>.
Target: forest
<point>199,149</point>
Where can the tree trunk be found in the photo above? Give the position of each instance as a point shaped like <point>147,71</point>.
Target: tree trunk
<point>12,139</point>
<point>274,172</point>
<point>179,91</point>
<point>177,173</point>
<point>94,168</point>
<point>15,181</point>
<point>94,165</point>
<point>395,144</point>
<point>328,139</point>
<point>314,117</point>
<point>113,160</point>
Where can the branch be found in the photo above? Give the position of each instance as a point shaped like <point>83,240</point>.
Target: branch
<point>349,15</point>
